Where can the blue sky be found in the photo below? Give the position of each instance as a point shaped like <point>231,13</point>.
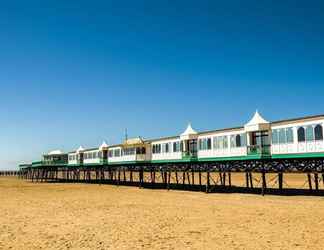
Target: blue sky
<point>79,73</point>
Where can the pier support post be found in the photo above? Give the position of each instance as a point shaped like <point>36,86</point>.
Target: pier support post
<point>309,177</point>
<point>169,178</point>
<point>193,176</point>
<point>264,183</point>
<point>118,177</point>
<point>208,182</point>
<point>280,181</point>
<point>251,179</point>
<point>316,181</point>
<point>199,172</point>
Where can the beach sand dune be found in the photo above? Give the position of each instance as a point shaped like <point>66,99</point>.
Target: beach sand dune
<point>92,216</point>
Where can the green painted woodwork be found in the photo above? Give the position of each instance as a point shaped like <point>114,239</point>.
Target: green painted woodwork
<point>187,156</point>
<point>256,156</point>
<point>301,155</point>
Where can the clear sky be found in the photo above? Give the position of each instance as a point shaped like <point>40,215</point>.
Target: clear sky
<point>78,72</point>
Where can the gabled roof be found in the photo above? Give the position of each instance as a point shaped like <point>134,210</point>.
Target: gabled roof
<point>257,123</point>
<point>257,119</point>
<point>80,149</point>
<point>189,131</point>
<point>103,146</point>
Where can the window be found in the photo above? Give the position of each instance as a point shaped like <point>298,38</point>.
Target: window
<point>117,152</point>
<point>309,133</point>
<point>140,150</point>
<point>166,147</point>
<point>110,153</point>
<point>243,140</point>
<point>318,132</point>
<point>289,135</point>
<point>156,148</point>
<point>275,136</point>
<point>225,142</point>
<point>208,143</point>
<point>220,142</point>
<point>238,140</point>
<point>176,146</point>
<point>282,136</point>
<point>301,134</point>
<point>129,151</point>
<point>232,141</point>
<point>205,144</point>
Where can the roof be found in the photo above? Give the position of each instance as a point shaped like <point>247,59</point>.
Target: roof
<point>80,149</point>
<point>163,138</point>
<point>133,141</point>
<point>90,149</point>
<point>55,152</point>
<point>104,145</point>
<point>311,117</point>
<point>257,123</point>
<point>189,131</point>
<point>220,130</point>
<point>256,119</point>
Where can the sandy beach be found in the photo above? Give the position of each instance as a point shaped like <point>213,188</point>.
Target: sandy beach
<point>92,216</point>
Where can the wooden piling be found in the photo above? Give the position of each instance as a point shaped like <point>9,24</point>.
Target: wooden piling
<point>264,183</point>
<point>309,177</point>
<point>280,181</point>
<point>316,181</point>
<point>208,182</point>
<point>251,179</point>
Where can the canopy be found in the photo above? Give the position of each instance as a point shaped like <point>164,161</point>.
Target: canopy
<point>104,146</point>
<point>189,133</point>
<point>80,149</point>
<point>257,123</point>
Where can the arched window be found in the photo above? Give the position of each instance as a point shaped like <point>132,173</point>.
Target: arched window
<point>208,143</point>
<point>301,134</point>
<point>309,133</point>
<point>318,132</point>
<point>238,140</point>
